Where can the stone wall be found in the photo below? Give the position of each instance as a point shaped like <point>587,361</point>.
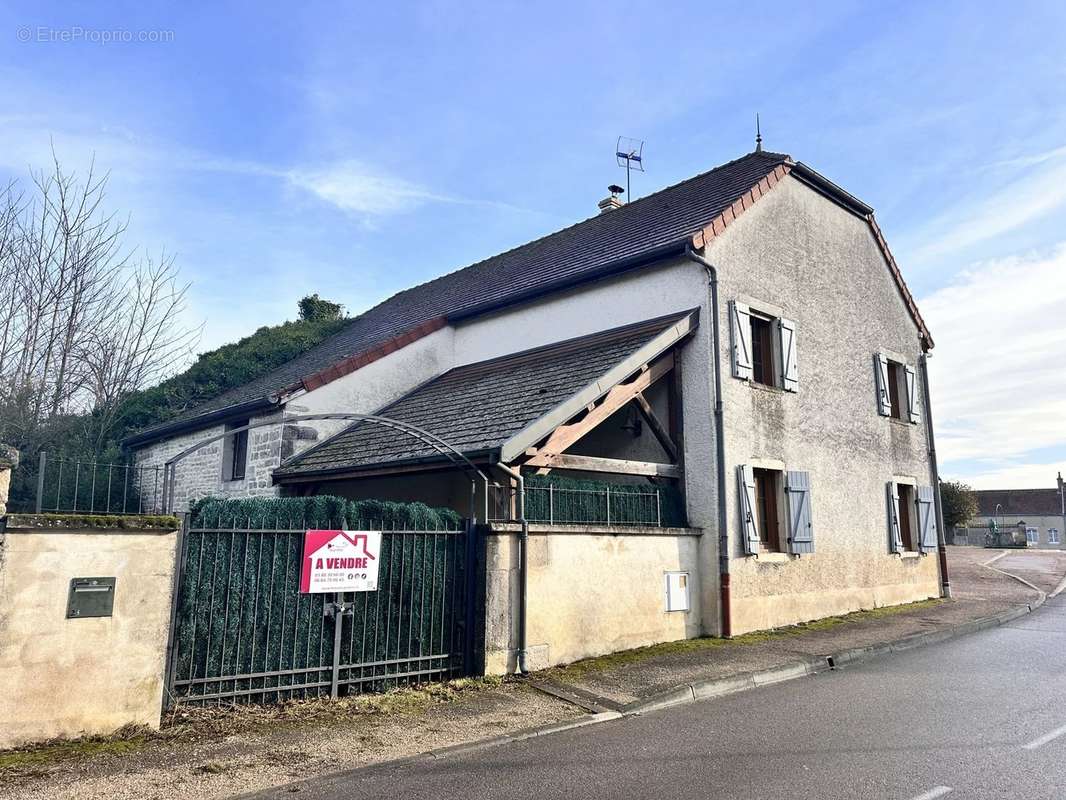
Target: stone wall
<point>73,677</point>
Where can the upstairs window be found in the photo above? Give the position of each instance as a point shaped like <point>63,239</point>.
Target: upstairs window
<point>764,347</point>
<point>235,453</point>
<point>897,389</point>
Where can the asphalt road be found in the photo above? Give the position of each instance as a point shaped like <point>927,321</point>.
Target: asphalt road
<point>983,716</point>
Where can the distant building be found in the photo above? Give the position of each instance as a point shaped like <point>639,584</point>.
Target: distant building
<point>1041,513</point>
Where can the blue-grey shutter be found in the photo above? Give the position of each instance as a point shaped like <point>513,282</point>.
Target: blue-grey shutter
<point>789,364</point>
<point>895,540</point>
<point>749,527</point>
<point>912,395</point>
<point>740,326</point>
<point>884,399</point>
<point>927,540</point>
<point>798,492</point>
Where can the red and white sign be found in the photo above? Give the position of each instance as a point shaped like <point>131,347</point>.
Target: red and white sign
<point>340,561</point>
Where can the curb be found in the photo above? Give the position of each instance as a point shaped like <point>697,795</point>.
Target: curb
<point>719,687</point>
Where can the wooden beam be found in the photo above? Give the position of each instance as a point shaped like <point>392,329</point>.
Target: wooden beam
<point>615,466</point>
<point>657,427</point>
<point>566,436</point>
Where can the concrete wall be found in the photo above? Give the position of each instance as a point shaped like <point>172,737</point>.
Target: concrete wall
<point>591,591</point>
<point>72,677</point>
<point>821,267</point>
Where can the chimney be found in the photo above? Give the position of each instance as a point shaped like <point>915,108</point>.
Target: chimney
<point>612,202</point>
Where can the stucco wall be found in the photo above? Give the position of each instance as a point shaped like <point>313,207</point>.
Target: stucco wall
<point>591,591</point>
<point>71,677</point>
<point>821,266</point>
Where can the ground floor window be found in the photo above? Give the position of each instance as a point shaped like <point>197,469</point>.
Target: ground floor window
<point>768,508</point>
<point>1032,536</point>
<point>1052,535</point>
<point>907,533</point>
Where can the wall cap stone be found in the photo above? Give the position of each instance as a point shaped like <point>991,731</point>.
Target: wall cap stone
<point>90,523</point>
<point>543,529</point>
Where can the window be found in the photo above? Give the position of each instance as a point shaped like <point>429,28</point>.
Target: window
<point>896,389</point>
<point>1052,535</point>
<point>906,518</point>
<point>1032,536</point>
<point>764,347</point>
<point>767,517</point>
<point>235,453</point>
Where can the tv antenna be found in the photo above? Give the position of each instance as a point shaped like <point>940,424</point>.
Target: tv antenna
<point>630,154</point>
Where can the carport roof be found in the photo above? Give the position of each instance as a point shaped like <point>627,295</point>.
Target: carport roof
<point>505,404</point>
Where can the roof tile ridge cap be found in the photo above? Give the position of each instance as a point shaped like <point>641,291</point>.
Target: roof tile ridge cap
<point>898,273</point>
<point>779,157</point>
<point>702,236</point>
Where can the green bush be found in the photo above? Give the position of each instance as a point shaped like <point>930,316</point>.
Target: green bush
<point>321,511</point>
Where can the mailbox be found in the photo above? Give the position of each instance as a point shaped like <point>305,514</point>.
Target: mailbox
<point>91,597</point>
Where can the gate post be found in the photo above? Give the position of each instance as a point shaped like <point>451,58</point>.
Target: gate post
<point>175,600</point>
<point>470,608</point>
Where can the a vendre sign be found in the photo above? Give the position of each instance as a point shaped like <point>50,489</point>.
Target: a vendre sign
<point>340,561</point>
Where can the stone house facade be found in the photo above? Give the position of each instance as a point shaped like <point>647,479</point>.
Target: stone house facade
<point>744,336</point>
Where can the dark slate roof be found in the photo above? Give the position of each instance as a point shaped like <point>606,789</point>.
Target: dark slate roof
<point>1013,502</point>
<point>479,407</point>
<point>582,252</point>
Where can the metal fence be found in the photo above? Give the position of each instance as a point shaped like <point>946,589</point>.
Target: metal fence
<point>242,630</point>
<point>75,485</point>
<point>621,505</point>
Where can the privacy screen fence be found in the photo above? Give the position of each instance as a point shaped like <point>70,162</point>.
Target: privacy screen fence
<point>244,632</point>
<point>555,500</point>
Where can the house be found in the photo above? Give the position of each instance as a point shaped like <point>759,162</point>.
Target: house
<point>740,346</point>
<point>1039,513</point>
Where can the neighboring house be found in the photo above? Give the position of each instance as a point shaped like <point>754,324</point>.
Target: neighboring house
<point>1039,513</point>
<point>744,336</point>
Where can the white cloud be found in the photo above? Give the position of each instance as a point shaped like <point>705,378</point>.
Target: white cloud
<point>998,373</point>
<point>1010,476</point>
<point>1023,200</point>
<point>354,187</point>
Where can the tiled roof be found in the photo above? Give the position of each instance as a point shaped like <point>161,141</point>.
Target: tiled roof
<point>579,253</point>
<point>479,407</point>
<point>1014,502</point>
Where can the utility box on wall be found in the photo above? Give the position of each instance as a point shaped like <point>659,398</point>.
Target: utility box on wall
<point>677,591</point>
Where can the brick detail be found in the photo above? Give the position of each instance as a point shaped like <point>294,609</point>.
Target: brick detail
<point>358,361</point>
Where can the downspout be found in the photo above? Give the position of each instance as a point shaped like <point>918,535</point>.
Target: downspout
<point>942,552</point>
<point>523,572</point>
<point>719,438</point>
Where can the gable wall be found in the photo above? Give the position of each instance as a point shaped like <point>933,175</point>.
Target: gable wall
<point>822,267</point>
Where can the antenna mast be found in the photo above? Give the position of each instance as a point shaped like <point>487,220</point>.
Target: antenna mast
<point>629,153</point>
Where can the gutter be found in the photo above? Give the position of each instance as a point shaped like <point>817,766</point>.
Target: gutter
<point>719,440</point>
<point>942,553</point>
<point>201,421</point>
<point>523,571</point>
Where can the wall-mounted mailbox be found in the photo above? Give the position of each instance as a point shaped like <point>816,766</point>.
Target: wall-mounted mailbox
<point>91,597</point>
<point>677,591</point>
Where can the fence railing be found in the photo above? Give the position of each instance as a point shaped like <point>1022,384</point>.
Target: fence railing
<point>621,505</point>
<point>75,485</point>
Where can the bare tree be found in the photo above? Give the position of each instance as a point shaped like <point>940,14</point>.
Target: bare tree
<point>83,323</point>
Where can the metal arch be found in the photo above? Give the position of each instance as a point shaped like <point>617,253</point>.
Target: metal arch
<point>440,445</point>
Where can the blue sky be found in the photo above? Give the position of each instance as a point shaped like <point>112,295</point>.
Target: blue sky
<point>285,149</point>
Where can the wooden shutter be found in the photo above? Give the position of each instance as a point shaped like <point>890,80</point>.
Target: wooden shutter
<point>912,395</point>
<point>798,492</point>
<point>884,399</point>
<point>740,325</point>
<point>749,526</point>
<point>789,365</point>
<point>927,538</point>
<point>895,540</point>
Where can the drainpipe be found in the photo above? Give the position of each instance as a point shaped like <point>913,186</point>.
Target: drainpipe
<point>523,571</point>
<point>719,438</point>
<point>942,552</point>
<point>1062,504</point>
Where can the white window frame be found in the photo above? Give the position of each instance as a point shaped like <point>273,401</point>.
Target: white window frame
<point>1035,532</point>
<point>1053,536</point>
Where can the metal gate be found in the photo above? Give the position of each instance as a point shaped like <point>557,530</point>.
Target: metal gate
<point>242,631</point>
